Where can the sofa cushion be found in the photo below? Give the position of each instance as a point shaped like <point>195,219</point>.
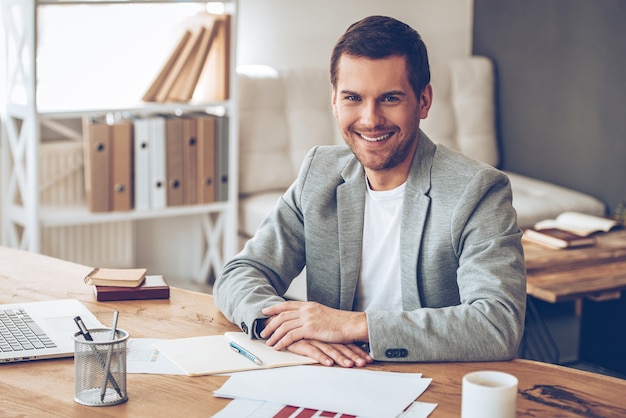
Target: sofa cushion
<point>282,114</point>
<point>253,208</point>
<point>536,200</point>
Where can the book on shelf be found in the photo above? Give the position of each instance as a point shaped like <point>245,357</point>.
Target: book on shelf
<point>557,238</point>
<point>175,73</point>
<point>198,68</point>
<point>214,81</point>
<point>185,84</point>
<point>151,94</point>
<point>122,277</point>
<point>577,223</point>
<point>153,287</point>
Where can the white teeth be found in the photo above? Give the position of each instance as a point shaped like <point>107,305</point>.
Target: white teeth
<point>380,138</point>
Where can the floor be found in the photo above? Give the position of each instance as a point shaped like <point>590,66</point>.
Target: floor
<point>560,320</point>
<point>564,326</point>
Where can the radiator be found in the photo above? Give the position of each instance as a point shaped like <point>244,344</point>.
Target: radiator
<point>109,244</point>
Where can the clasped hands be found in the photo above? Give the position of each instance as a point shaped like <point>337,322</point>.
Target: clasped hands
<point>324,334</point>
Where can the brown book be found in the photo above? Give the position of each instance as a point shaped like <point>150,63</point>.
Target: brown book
<point>214,81</point>
<point>557,238</point>
<point>156,86</point>
<point>164,92</point>
<point>153,287</point>
<point>185,84</point>
<point>116,277</point>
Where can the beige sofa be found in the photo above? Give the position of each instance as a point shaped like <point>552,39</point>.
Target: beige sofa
<point>285,112</point>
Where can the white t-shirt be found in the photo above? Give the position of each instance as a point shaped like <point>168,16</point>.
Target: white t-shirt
<point>378,287</point>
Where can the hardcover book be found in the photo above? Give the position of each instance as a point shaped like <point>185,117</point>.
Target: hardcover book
<point>153,287</point>
<point>557,238</point>
<point>116,277</point>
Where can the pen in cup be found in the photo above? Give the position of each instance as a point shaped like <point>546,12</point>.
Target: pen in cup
<point>83,329</point>
<point>85,332</point>
<point>107,366</point>
<point>239,349</point>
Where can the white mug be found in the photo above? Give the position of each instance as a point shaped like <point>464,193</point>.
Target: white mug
<point>489,394</point>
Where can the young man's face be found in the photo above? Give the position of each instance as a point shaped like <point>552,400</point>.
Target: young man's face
<point>378,114</point>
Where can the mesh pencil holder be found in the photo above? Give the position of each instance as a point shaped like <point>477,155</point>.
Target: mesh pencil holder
<point>92,385</point>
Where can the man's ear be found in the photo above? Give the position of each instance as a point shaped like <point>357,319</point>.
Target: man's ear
<point>334,102</point>
<point>425,100</point>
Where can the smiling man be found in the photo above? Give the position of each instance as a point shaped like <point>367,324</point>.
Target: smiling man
<point>412,251</point>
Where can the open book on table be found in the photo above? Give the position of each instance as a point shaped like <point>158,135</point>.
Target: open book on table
<point>212,354</point>
<point>577,223</point>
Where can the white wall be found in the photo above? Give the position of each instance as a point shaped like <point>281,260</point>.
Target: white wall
<point>303,33</point>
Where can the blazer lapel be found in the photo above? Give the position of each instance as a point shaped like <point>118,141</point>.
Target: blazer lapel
<point>350,213</point>
<point>414,213</point>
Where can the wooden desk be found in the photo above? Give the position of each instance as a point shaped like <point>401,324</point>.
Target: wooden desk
<point>45,388</point>
<point>597,272</point>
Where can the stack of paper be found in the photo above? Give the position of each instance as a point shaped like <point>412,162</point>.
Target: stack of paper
<point>358,392</point>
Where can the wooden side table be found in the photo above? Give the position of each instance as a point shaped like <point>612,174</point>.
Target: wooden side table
<point>597,272</point>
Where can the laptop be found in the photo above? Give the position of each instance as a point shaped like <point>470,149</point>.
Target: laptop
<point>41,330</point>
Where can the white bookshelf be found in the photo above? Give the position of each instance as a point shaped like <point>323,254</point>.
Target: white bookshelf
<point>33,106</point>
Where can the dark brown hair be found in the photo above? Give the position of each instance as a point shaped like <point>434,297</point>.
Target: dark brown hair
<point>377,37</point>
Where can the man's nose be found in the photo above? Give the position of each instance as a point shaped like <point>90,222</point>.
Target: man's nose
<point>371,115</point>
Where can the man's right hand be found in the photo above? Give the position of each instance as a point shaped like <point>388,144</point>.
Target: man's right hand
<point>329,354</point>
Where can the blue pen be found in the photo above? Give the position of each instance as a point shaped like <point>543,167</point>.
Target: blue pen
<point>239,349</point>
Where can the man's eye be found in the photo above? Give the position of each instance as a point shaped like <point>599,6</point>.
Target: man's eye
<point>390,99</point>
<point>353,98</point>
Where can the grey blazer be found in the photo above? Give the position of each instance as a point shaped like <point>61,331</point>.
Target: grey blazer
<point>462,266</point>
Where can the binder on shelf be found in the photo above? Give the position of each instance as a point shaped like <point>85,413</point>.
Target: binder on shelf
<point>158,190</point>
<point>214,81</point>
<point>190,160</point>
<point>174,170</point>
<point>97,157</point>
<point>122,166</point>
<point>157,85</point>
<point>221,134</point>
<point>141,158</point>
<point>206,158</point>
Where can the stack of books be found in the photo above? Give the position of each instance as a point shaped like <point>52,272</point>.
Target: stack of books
<point>111,284</point>
<point>569,230</point>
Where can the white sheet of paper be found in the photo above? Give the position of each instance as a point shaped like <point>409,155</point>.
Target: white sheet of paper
<point>142,357</point>
<point>350,391</point>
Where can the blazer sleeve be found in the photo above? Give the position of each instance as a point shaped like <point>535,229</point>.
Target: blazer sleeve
<point>261,273</point>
